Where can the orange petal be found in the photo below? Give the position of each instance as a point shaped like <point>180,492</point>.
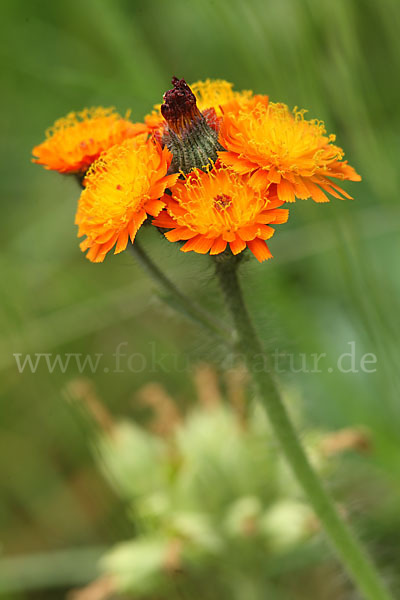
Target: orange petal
<point>248,233</point>
<point>84,245</point>
<point>199,244</point>
<point>180,233</point>
<point>240,165</point>
<point>301,190</point>
<point>229,236</point>
<point>266,232</point>
<point>328,188</point>
<point>279,215</point>
<point>190,243</point>
<point>98,251</point>
<point>345,171</point>
<point>259,181</point>
<point>316,193</point>
<point>274,202</point>
<point>93,252</point>
<point>158,189</point>
<point>203,245</point>
<point>154,207</point>
<point>274,176</point>
<point>218,246</point>
<point>135,224</point>
<point>260,249</point>
<point>170,180</point>
<point>237,245</point>
<point>164,220</point>
<point>285,191</point>
<point>122,241</point>
<point>102,239</point>
<point>108,245</point>
<point>340,190</point>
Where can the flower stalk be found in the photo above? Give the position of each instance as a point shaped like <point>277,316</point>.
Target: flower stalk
<point>181,302</point>
<point>346,545</point>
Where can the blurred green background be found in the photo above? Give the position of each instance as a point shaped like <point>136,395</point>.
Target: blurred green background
<point>335,277</point>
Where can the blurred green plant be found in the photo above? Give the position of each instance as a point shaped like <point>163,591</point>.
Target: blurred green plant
<point>210,497</point>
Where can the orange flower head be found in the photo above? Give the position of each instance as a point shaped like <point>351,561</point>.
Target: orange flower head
<point>275,145</point>
<point>216,93</point>
<point>218,207</point>
<point>76,141</point>
<point>211,96</point>
<point>122,187</point>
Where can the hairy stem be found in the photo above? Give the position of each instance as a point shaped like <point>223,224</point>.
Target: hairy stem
<point>348,548</point>
<point>182,302</point>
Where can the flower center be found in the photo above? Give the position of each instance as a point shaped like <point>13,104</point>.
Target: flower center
<point>222,202</point>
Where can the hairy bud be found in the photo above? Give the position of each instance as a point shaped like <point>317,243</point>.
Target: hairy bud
<point>188,136</point>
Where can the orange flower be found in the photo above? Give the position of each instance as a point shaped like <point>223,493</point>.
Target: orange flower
<point>74,142</point>
<point>211,96</point>
<point>278,146</point>
<point>122,187</point>
<point>215,93</point>
<point>215,208</point>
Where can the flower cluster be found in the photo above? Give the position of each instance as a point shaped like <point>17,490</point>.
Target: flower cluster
<point>212,166</point>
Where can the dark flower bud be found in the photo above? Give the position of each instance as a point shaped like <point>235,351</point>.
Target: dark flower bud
<point>192,142</point>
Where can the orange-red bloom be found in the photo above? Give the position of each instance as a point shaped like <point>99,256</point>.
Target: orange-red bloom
<point>122,187</point>
<point>277,146</point>
<point>74,142</point>
<point>215,208</point>
<point>253,156</point>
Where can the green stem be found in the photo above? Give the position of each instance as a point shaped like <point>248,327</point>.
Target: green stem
<point>185,304</point>
<point>348,548</point>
